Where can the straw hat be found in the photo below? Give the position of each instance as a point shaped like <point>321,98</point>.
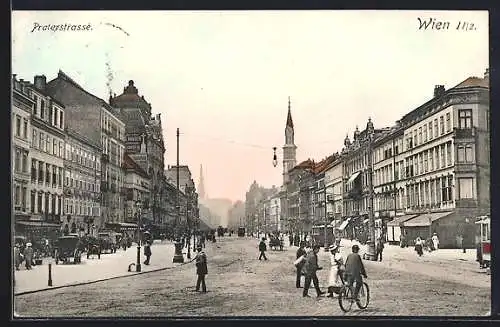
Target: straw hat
<point>333,247</point>
<point>28,244</point>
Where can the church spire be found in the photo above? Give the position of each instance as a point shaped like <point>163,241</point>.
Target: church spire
<point>289,121</point>
<point>201,185</point>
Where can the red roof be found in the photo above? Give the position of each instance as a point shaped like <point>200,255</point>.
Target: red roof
<point>323,164</point>
<point>129,163</point>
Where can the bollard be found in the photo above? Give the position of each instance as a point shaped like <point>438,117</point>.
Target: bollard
<point>50,274</point>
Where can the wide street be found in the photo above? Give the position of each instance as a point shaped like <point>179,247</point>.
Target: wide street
<point>445,282</point>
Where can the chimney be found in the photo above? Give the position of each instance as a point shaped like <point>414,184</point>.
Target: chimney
<point>487,73</point>
<point>40,82</point>
<point>438,90</point>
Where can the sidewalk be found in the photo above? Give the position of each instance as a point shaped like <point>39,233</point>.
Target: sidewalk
<point>109,266</point>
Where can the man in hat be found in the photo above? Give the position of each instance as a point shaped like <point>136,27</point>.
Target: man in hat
<point>28,255</point>
<point>262,249</point>
<point>354,269</point>
<point>379,248</point>
<point>201,269</point>
<point>435,241</point>
<point>336,270</point>
<point>310,267</point>
<point>300,252</point>
<point>147,251</point>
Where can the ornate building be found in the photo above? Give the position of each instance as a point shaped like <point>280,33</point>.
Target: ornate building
<point>92,117</point>
<point>82,182</point>
<point>145,145</point>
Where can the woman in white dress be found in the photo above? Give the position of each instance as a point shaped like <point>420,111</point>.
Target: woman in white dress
<point>336,269</point>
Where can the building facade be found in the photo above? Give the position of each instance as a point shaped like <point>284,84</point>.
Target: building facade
<point>144,132</point>
<point>334,188</point>
<point>47,155</point>
<point>137,183</point>
<point>22,107</point>
<point>447,162</point>
<point>82,182</point>
<point>92,117</point>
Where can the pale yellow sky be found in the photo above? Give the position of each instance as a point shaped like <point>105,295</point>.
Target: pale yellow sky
<point>224,78</point>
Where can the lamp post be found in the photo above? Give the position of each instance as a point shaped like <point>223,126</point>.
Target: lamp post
<point>178,257</point>
<point>188,224</point>
<point>138,263</point>
<point>371,223</point>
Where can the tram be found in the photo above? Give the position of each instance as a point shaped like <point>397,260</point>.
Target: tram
<point>483,238</point>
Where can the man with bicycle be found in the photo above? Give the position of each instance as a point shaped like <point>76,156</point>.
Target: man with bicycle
<point>354,269</point>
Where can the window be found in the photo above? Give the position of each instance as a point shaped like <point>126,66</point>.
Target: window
<point>431,159</point>
<point>415,137</point>
<point>450,185</point>
<point>33,201</point>
<point>61,115</point>
<point>54,176</point>
<point>448,122</point>
<point>47,174</point>
<point>48,144</point>
<point>465,119</point>
<point>39,202</point>
<point>426,167</point>
<point>433,186</point>
<point>56,120</point>
<point>442,156</point>
<point>17,160</point>
<point>18,125</point>
<point>420,135</point>
<point>42,109</point>
<point>420,163</point>
<point>17,195</point>
<point>34,140</point>
<point>25,129</point>
<point>40,172</point>
<point>441,125</point>
<point>437,157</point>
<point>487,114</point>
<point>436,130</point>
<point>33,170</point>
<point>444,190</point>
<point>41,143</point>
<point>465,188</point>
<point>430,131</point>
<point>25,161</point>
<point>448,154</point>
<point>35,108</point>
<point>425,133</point>
<point>49,118</point>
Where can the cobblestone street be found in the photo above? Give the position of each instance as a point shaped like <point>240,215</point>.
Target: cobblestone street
<point>240,285</point>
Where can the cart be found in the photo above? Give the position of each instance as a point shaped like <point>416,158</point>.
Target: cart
<point>68,250</point>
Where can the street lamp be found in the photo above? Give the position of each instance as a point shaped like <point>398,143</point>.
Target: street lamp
<point>138,263</point>
<point>275,158</point>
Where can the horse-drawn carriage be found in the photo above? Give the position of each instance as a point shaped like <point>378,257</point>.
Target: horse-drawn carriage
<point>68,249</point>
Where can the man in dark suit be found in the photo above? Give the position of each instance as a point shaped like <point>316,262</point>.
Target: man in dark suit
<point>262,249</point>
<point>300,252</point>
<point>201,269</point>
<point>310,267</point>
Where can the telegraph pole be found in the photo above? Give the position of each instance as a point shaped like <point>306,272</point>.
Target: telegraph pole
<point>371,219</point>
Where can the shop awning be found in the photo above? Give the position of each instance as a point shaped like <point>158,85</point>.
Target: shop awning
<point>400,219</point>
<point>344,224</point>
<point>426,219</point>
<point>38,223</point>
<point>353,177</point>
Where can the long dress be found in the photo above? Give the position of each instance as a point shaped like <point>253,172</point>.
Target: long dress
<point>334,278</point>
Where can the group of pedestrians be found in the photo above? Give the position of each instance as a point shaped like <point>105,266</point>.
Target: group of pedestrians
<point>23,255</point>
<point>342,271</point>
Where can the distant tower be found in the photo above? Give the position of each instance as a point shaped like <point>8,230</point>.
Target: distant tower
<point>201,185</point>
<point>289,149</point>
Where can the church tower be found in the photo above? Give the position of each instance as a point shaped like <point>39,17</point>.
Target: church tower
<point>289,149</point>
<point>201,185</point>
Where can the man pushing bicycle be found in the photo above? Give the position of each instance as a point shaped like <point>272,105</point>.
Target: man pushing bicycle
<point>354,269</point>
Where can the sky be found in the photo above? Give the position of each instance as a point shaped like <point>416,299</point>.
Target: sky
<point>224,78</point>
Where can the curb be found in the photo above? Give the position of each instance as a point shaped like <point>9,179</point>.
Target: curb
<point>98,280</point>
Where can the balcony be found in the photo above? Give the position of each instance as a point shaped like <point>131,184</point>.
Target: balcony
<point>464,133</point>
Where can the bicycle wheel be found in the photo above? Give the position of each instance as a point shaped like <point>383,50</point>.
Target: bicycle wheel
<point>345,299</point>
<point>364,296</point>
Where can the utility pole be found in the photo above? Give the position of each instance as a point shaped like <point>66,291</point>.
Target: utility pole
<point>178,190</point>
<point>371,222</point>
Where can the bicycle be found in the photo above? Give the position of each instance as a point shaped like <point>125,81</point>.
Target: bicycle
<point>346,296</point>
